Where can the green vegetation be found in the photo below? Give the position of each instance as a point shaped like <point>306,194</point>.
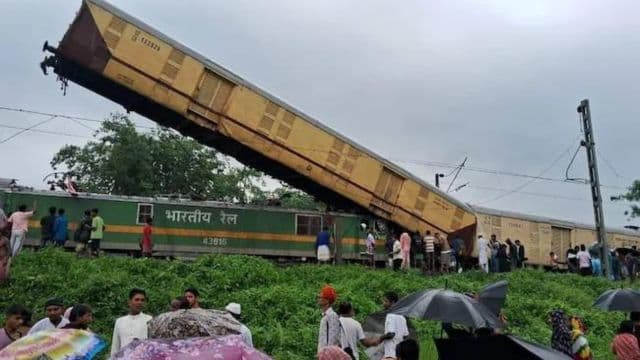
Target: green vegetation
<point>279,303</point>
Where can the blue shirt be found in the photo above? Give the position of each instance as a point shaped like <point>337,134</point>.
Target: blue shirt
<point>60,228</point>
<point>323,238</point>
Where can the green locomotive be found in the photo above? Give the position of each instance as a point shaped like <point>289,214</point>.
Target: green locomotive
<point>188,228</point>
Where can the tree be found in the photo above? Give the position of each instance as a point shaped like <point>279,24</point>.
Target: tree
<point>633,194</point>
<point>120,160</point>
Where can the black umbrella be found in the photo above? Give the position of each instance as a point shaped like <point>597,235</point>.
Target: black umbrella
<point>624,251</point>
<point>626,300</point>
<point>495,347</point>
<point>494,295</point>
<point>447,306</point>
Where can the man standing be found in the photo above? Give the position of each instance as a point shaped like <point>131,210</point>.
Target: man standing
<point>457,247</point>
<point>429,249</point>
<point>19,227</point>
<point>54,308</point>
<point>494,246</point>
<point>405,246</point>
<point>351,333</point>
<point>132,326</point>
<point>193,298</point>
<point>46,226</point>
<point>323,251</point>
<point>329,333</point>
<point>370,243</point>
<point>12,322</point>
<point>416,245</point>
<point>146,245</point>
<point>60,229</point>
<point>483,252</point>
<point>520,253</point>
<point>97,232</point>
<point>235,311</point>
<point>395,324</point>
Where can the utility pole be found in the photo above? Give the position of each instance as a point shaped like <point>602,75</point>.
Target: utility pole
<point>457,173</point>
<point>438,176</point>
<point>590,146</point>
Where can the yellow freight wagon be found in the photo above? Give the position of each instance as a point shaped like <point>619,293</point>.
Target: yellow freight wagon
<point>541,235</point>
<point>121,58</point>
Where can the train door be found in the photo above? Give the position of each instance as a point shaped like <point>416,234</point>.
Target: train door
<point>560,241</point>
<point>387,190</point>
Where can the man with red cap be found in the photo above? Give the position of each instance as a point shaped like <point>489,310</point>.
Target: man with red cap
<point>329,334</point>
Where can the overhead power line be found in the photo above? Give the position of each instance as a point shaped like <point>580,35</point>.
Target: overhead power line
<point>427,163</point>
<point>26,129</point>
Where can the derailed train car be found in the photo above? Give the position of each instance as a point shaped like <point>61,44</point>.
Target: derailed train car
<point>127,61</point>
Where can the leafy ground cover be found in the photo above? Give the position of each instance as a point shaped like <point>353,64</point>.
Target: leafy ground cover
<point>279,302</point>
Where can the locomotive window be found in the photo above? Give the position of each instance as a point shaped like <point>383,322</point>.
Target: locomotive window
<point>308,224</point>
<point>144,211</point>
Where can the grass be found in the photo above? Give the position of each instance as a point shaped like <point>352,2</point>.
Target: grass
<point>279,303</point>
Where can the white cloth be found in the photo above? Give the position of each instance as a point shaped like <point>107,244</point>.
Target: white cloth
<point>584,259</point>
<point>370,242</point>
<point>245,333</point>
<point>17,238</point>
<point>350,334</point>
<point>483,256</point>
<point>397,250</point>
<point>127,329</point>
<point>396,324</point>
<point>323,253</point>
<point>46,324</point>
<point>329,333</point>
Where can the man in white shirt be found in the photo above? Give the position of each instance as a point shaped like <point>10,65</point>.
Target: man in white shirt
<point>351,333</point>
<point>235,311</point>
<point>54,309</point>
<point>132,326</point>
<point>483,253</point>
<point>393,324</point>
<point>329,333</point>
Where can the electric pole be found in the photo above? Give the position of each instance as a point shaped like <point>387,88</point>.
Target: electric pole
<point>590,146</point>
<point>438,176</point>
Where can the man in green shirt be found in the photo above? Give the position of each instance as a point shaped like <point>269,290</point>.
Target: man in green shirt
<point>97,231</point>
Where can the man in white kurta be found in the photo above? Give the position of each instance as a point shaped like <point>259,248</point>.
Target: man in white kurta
<point>132,326</point>
<point>54,320</point>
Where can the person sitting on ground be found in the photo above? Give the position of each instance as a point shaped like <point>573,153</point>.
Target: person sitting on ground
<point>179,303</point>
<point>625,345</point>
<point>193,297</point>
<point>133,326</point>
<point>580,345</point>
<point>53,308</point>
<point>235,310</point>
<point>408,350</point>
<point>351,333</point>
<point>80,317</point>
<point>12,322</point>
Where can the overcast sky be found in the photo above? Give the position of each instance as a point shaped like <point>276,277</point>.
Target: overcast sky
<point>417,81</point>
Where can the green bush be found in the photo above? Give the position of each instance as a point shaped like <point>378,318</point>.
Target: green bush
<point>279,304</point>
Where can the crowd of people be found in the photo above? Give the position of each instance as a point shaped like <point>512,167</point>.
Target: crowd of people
<point>126,329</point>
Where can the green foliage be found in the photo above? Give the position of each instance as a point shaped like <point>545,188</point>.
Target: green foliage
<point>633,194</point>
<point>123,161</point>
<point>279,304</point>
